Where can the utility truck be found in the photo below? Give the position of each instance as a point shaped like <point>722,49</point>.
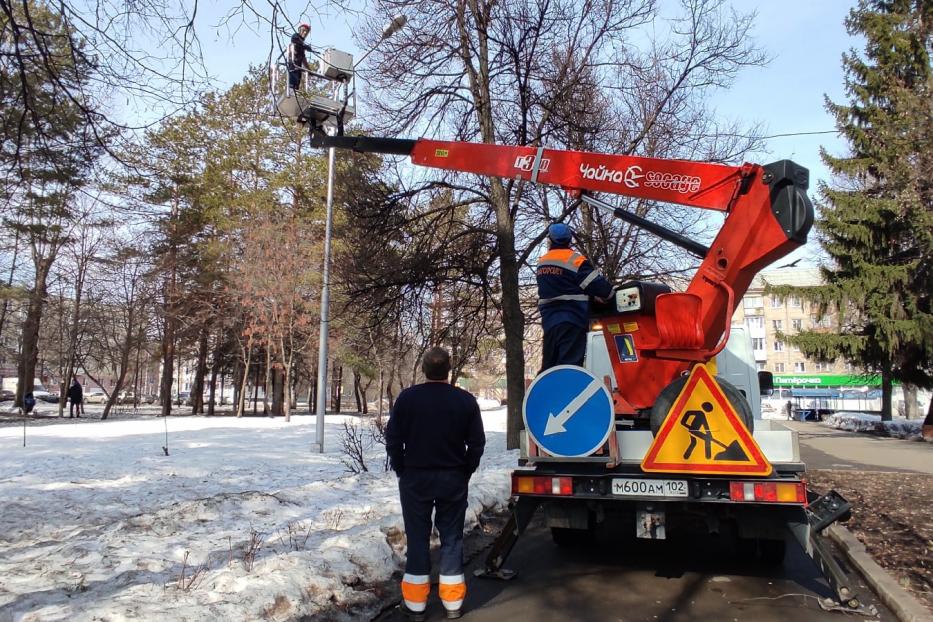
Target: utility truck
<point>662,430</point>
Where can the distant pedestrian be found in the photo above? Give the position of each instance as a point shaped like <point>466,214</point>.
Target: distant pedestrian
<point>435,440</point>
<point>29,402</point>
<point>76,397</point>
<point>789,407</point>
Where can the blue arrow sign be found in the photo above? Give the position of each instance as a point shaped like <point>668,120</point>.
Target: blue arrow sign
<point>568,411</point>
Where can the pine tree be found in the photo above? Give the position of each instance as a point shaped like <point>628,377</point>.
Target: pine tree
<point>877,216</point>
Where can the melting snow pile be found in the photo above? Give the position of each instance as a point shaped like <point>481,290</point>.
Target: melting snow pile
<point>241,521</point>
<point>860,422</point>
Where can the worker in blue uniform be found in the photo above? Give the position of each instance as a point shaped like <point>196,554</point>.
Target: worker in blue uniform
<point>566,280</point>
<point>435,440</point>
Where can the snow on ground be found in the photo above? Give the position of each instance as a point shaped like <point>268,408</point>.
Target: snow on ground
<point>861,422</point>
<point>97,522</point>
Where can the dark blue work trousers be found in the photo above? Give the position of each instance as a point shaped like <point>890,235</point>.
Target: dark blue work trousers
<point>564,344</point>
<point>445,493</point>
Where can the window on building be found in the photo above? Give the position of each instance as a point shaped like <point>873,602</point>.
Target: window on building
<point>795,302</point>
<point>755,321</point>
<point>776,302</point>
<point>777,324</point>
<point>794,348</point>
<point>779,368</point>
<point>800,366</point>
<point>821,366</point>
<point>752,302</point>
<point>797,324</point>
<point>758,343</point>
<point>760,365</point>
<point>849,367</point>
<point>778,346</point>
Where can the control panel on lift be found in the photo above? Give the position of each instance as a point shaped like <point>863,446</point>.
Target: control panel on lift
<point>633,296</point>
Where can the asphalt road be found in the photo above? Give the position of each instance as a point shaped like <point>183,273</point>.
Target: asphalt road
<point>625,579</point>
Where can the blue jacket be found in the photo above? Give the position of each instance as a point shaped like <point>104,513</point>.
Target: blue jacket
<point>566,280</point>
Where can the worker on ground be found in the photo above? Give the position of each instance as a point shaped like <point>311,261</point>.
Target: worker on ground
<point>434,439</point>
<point>296,61</point>
<point>566,280</point>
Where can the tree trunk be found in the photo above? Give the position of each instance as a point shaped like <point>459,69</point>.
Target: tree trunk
<point>381,390</point>
<point>911,405</point>
<point>267,384</point>
<point>29,355</point>
<point>215,365</point>
<point>197,390</point>
<point>278,392</point>
<point>312,387</point>
<point>124,364</point>
<point>335,382</point>
<point>241,390</point>
<point>356,391</point>
<point>513,321</point>
<point>9,282</point>
<point>256,390</point>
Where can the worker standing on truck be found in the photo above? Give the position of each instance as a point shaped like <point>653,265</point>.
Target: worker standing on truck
<point>435,440</point>
<point>296,61</point>
<point>566,280</point>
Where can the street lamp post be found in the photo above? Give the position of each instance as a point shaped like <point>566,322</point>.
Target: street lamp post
<point>321,403</point>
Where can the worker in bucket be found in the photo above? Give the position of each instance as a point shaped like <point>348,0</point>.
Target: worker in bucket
<point>296,61</point>
<point>566,280</point>
<point>435,440</point>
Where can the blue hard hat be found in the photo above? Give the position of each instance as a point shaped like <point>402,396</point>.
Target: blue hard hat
<point>559,233</point>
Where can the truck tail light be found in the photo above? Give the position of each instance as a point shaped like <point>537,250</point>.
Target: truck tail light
<point>769,492</point>
<point>539,485</point>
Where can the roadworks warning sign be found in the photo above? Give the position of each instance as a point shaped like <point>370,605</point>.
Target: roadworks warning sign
<point>703,434</point>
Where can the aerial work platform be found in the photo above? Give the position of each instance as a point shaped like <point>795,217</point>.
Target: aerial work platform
<point>312,105</point>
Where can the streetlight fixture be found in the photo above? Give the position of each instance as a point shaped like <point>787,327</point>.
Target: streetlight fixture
<point>390,29</point>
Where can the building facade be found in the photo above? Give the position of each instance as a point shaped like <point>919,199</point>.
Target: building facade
<point>767,317</point>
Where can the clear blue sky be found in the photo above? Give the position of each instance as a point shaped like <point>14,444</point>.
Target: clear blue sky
<point>804,38</point>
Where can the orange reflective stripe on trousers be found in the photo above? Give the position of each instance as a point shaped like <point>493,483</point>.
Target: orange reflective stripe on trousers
<point>452,590</point>
<point>415,590</point>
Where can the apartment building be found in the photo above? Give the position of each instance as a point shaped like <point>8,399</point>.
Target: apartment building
<point>766,316</point>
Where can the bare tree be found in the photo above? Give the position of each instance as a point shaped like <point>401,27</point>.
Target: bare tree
<point>519,73</point>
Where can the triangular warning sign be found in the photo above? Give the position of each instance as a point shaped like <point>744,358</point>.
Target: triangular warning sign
<point>702,434</point>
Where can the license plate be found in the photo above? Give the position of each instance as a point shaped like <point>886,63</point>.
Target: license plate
<point>650,487</point>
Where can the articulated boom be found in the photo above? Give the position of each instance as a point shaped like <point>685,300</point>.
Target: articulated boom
<point>768,214</point>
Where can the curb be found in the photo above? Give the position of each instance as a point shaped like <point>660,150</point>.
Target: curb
<point>904,605</point>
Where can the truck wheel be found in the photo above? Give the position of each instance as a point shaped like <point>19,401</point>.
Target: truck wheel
<point>565,537</point>
<point>669,394</point>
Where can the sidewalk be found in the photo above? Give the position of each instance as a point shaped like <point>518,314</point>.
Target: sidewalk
<point>823,447</point>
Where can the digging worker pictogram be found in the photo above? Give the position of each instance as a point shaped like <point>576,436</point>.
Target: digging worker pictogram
<point>435,440</point>
<point>697,425</point>
<point>566,280</point>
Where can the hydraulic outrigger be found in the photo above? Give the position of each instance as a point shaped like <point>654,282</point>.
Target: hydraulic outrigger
<point>768,214</point>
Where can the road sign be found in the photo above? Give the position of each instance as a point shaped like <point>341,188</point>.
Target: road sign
<point>568,411</point>
<point>703,434</point>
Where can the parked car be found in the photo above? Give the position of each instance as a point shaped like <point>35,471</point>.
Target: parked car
<point>95,396</point>
<point>7,396</point>
<point>46,396</point>
<point>183,397</point>
<point>126,397</point>
<point>148,399</point>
